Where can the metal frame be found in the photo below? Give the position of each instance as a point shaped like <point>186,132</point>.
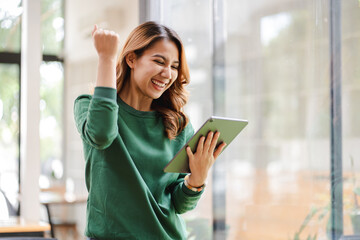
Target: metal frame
<point>336,217</point>
<point>218,88</point>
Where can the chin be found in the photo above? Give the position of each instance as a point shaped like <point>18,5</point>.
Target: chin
<point>156,96</point>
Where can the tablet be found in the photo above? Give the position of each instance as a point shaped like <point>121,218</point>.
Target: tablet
<point>229,128</point>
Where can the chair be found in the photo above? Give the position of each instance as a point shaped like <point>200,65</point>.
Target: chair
<point>62,226</point>
<point>9,208</point>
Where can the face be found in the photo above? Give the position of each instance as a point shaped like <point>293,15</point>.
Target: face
<point>155,71</point>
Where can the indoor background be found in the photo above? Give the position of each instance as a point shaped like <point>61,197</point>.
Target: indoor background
<point>270,62</point>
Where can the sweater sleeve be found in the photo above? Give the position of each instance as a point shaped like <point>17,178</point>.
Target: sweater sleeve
<point>183,198</point>
<point>96,117</point>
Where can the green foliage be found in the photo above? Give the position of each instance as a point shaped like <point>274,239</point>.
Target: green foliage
<point>357,191</point>
<point>10,29</point>
<point>52,26</point>
<point>309,216</point>
<point>9,96</point>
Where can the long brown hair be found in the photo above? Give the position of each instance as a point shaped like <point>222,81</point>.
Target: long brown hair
<point>170,104</point>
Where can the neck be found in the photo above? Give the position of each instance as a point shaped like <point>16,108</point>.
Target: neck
<point>134,99</point>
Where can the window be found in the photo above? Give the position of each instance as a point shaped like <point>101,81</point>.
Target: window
<point>51,93</point>
<point>350,17</point>
<point>10,13</point>
<point>9,130</point>
<point>51,104</point>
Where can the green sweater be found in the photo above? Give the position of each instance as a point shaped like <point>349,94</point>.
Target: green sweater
<point>130,196</point>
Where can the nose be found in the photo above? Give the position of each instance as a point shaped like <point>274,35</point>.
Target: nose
<point>166,72</point>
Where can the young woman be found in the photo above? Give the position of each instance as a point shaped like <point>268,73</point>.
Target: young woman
<point>131,128</point>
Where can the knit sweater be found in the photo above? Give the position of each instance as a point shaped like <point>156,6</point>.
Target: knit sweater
<point>130,196</point>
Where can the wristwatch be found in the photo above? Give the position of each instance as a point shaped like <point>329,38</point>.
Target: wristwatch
<point>194,189</point>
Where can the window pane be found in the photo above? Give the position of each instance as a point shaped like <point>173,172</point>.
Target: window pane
<point>351,115</point>
<point>51,122</point>
<point>10,27</point>
<point>180,15</point>
<point>52,26</point>
<point>277,77</point>
<point>9,130</point>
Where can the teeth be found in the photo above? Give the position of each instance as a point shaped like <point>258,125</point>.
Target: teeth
<point>158,83</point>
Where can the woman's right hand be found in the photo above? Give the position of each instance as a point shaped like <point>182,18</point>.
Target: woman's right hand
<point>106,43</point>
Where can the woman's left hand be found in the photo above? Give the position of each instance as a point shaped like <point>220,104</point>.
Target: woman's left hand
<point>201,161</point>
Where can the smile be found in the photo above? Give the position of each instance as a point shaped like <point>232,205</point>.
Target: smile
<point>158,83</point>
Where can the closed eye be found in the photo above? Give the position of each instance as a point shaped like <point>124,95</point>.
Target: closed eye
<point>159,62</point>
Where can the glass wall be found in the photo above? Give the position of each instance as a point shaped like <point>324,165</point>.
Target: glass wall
<point>351,116</point>
<point>197,41</point>
<point>277,75</point>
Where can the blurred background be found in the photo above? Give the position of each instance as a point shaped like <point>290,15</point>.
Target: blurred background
<point>265,61</point>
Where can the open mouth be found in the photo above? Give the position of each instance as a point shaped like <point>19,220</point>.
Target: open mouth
<point>158,83</point>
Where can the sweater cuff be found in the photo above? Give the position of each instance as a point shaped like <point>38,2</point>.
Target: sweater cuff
<point>105,92</point>
<point>190,192</point>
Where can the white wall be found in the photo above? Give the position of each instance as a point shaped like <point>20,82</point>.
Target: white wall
<point>80,71</point>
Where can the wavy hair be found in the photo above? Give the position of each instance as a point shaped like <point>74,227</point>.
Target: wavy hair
<point>170,104</point>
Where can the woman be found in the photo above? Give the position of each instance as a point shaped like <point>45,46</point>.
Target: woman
<point>131,128</point>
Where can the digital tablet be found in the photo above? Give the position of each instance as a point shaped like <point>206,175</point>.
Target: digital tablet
<point>229,128</point>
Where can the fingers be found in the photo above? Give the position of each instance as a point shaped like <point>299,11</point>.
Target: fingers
<point>208,141</point>
<point>200,145</point>
<point>208,144</point>
<point>94,30</point>
<point>189,153</point>
<point>219,150</point>
<point>214,141</point>
<point>103,32</point>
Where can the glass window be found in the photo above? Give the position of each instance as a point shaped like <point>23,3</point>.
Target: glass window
<point>277,77</point>
<point>52,26</point>
<point>51,104</point>
<point>9,130</point>
<point>51,134</point>
<point>10,27</point>
<point>51,94</point>
<point>351,116</point>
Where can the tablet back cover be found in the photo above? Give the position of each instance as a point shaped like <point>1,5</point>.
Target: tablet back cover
<point>228,128</point>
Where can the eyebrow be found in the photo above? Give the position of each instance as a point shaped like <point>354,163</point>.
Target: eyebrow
<point>164,58</point>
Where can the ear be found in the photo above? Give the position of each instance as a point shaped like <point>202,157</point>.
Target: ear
<point>130,59</point>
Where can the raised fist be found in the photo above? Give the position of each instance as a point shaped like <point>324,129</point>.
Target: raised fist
<point>106,42</point>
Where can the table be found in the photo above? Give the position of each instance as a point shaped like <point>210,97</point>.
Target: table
<point>48,198</point>
<point>18,226</point>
